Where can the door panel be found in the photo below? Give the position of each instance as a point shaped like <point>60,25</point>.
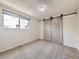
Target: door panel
<point>53,30</point>
<point>47,30</point>
<point>57,30</point>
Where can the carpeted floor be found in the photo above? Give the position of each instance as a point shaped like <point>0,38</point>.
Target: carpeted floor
<point>41,49</point>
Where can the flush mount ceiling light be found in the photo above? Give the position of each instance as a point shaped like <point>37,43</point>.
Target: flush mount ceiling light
<point>42,7</point>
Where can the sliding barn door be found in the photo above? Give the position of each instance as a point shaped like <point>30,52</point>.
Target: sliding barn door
<point>53,30</point>
<point>57,30</point>
<point>47,30</point>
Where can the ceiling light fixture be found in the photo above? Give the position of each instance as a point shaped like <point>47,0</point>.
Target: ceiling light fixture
<point>43,6</point>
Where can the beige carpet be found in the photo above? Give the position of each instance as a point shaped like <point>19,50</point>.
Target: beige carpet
<point>41,49</point>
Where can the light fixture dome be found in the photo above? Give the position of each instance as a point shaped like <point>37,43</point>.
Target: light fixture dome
<point>42,7</point>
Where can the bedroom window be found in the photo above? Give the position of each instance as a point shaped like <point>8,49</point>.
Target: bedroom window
<point>12,20</point>
<point>24,23</point>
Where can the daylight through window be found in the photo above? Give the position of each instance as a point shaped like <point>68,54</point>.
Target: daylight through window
<point>12,20</point>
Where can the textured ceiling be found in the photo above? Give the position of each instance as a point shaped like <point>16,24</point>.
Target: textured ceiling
<point>55,7</point>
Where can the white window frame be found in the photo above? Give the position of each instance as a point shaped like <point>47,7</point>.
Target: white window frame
<point>18,16</point>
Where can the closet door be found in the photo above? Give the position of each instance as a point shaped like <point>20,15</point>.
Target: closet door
<point>47,30</point>
<point>57,30</point>
<point>53,30</point>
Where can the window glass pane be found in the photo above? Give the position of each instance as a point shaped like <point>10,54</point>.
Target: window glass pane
<point>23,23</point>
<point>10,21</point>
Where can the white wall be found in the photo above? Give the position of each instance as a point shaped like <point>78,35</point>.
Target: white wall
<point>70,30</point>
<point>10,38</point>
<point>77,33</point>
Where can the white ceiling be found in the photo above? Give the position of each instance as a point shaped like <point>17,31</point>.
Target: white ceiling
<point>55,7</point>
